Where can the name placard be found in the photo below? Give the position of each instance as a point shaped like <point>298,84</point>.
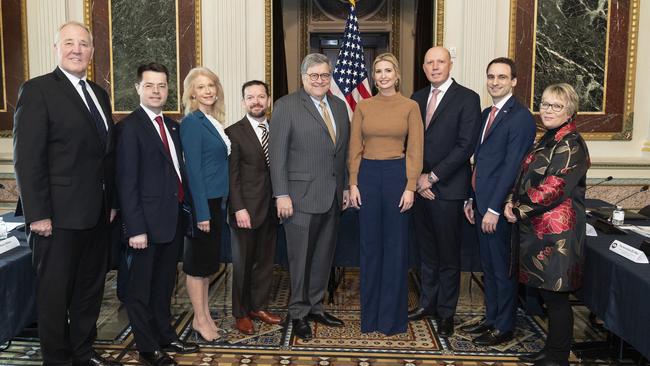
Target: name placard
<point>8,244</point>
<point>627,251</point>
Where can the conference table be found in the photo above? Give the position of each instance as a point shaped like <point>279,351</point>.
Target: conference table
<point>615,289</point>
<point>17,289</point>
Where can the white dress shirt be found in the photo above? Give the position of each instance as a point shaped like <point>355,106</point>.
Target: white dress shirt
<point>329,109</point>
<point>75,82</point>
<point>170,141</point>
<point>221,131</point>
<point>443,90</point>
<point>256,127</point>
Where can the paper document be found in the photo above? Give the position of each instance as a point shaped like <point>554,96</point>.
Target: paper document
<point>591,231</point>
<point>14,225</point>
<point>8,244</point>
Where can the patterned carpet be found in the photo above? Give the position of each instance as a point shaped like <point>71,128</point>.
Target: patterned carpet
<point>276,345</point>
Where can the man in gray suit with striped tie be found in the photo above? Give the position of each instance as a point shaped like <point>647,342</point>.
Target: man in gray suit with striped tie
<point>308,150</point>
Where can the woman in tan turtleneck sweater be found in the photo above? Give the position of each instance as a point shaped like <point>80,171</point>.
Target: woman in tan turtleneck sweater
<point>385,160</point>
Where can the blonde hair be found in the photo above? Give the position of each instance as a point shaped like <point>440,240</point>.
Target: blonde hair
<point>389,57</point>
<point>218,110</point>
<point>567,94</point>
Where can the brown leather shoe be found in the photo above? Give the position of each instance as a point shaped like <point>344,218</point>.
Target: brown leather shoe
<point>245,325</point>
<point>266,317</point>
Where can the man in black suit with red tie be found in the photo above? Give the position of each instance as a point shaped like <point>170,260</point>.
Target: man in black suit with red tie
<point>452,118</point>
<point>64,163</point>
<point>150,176</point>
<point>252,213</point>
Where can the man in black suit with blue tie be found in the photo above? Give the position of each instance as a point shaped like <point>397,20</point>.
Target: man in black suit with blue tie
<point>508,132</point>
<point>64,163</point>
<point>150,176</point>
<point>452,118</point>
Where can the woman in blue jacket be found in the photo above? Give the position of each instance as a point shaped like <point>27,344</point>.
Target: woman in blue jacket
<point>206,148</point>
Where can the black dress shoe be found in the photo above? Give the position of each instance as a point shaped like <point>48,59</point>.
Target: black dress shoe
<point>477,328</point>
<point>326,319</point>
<point>179,346</point>
<point>492,338</point>
<point>533,357</point>
<point>446,327</point>
<point>301,329</point>
<point>97,360</point>
<point>420,313</point>
<point>156,358</point>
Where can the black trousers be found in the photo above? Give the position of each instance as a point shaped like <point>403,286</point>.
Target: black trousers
<point>70,270</point>
<point>253,251</point>
<point>437,227</point>
<point>152,277</point>
<point>560,325</point>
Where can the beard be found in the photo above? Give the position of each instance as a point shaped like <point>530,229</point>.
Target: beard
<point>259,114</point>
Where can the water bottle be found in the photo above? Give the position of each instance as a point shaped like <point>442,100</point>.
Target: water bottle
<point>3,229</point>
<point>618,216</point>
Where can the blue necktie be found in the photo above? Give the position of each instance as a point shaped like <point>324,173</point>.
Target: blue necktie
<point>94,112</point>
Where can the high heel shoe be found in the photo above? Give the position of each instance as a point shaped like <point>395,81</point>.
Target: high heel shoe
<point>198,338</point>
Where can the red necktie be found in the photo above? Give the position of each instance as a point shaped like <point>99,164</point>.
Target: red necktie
<point>493,114</point>
<point>163,136</point>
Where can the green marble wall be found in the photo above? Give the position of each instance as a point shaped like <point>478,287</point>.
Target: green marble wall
<point>571,42</point>
<point>143,31</point>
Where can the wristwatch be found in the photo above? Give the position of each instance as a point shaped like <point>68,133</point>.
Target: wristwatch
<point>430,177</point>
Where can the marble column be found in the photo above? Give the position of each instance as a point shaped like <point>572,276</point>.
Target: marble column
<point>43,20</point>
<point>476,31</point>
<point>233,44</point>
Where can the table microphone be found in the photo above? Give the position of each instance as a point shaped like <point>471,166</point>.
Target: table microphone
<point>643,189</point>
<point>605,214</point>
<point>599,183</point>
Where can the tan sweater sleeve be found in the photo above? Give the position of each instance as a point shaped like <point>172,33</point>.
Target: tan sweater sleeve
<point>414,147</point>
<point>355,149</point>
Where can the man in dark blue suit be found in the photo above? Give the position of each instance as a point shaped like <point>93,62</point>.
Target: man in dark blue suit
<point>508,132</point>
<point>452,118</point>
<point>150,180</point>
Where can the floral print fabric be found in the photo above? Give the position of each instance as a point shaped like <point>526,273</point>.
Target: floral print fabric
<point>548,201</point>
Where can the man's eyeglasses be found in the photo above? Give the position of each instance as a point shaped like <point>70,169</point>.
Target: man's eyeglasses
<point>314,77</point>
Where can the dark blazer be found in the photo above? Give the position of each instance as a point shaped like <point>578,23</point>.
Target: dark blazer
<point>250,177</point>
<point>498,159</point>
<point>147,182</point>
<point>206,160</point>
<point>63,171</point>
<point>450,139</point>
<point>305,163</point>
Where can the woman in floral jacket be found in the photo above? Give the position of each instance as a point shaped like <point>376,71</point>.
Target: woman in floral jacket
<point>548,205</point>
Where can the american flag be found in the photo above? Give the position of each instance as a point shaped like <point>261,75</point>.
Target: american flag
<point>350,74</point>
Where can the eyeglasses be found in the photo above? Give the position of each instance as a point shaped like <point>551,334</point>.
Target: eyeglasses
<point>314,77</point>
<point>554,107</point>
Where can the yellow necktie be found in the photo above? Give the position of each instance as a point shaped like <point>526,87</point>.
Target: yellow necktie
<point>328,120</point>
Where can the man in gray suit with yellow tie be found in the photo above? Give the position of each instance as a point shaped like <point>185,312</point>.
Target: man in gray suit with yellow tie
<point>308,147</point>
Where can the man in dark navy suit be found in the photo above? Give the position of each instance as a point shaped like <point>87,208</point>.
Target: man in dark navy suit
<point>64,160</point>
<point>150,180</point>
<point>507,134</point>
<point>452,118</point>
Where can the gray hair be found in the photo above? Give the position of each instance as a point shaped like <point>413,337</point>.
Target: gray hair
<point>75,23</point>
<point>314,59</point>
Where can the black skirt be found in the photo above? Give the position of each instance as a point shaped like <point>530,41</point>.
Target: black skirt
<point>201,253</point>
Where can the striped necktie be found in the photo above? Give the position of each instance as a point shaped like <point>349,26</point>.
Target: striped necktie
<point>265,141</point>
